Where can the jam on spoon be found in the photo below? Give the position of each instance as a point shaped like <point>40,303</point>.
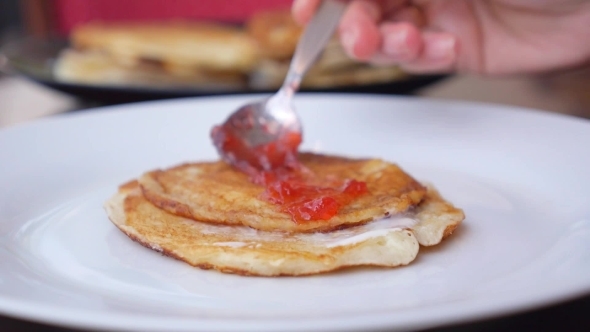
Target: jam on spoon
<point>262,139</point>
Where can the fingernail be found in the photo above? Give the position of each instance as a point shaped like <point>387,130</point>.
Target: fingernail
<point>394,44</point>
<point>441,48</point>
<point>297,6</point>
<point>348,38</point>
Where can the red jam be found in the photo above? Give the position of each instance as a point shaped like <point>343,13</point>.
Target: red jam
<point>306,202</point>
<point>288,184</point>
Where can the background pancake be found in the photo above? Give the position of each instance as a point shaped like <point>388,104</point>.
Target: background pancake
<point>95,67</point>
<point>179,43</point>
<point>214,192</point>
<point>255,55</point>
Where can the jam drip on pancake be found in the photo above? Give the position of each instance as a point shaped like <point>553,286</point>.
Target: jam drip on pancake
<point>288,184</point>
<point>305,196</point>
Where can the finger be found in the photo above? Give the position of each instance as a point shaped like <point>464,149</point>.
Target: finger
<point>402,42</point>
<point>439,54</point>
<point>303,10</point>
<point>359,34</point>
<point>408,14</point>
<point>390,6</point>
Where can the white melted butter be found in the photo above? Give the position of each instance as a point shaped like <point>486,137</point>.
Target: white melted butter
<point>248,237</point>
<point>370,230</point>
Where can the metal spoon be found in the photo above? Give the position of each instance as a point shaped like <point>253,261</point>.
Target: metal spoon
<point>254,133</point>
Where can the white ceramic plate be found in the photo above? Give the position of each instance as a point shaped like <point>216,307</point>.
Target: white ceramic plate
<point>521,176</point>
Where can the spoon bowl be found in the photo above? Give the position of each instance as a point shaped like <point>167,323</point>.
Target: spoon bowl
<point>266,134</point>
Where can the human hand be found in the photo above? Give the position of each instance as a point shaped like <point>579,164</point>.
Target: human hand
<point>491,37</point>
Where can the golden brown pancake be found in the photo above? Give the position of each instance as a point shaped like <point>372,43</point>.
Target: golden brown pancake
<point>242,250</point>
<point>178,43</point>
<point>415,215</point>
<point>215,192</point>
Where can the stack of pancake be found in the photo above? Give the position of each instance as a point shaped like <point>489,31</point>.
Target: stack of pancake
<point>207,55</point>
<point>211,216</point>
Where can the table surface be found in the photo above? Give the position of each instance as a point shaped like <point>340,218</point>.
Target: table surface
<point>567,93</point>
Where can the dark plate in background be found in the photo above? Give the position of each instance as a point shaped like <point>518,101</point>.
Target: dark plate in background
<point>34,60</point>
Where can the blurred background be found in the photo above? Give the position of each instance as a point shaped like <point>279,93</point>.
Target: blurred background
<point>52,61</point>
<point>45,70</point>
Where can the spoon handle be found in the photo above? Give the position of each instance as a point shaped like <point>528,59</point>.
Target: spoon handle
<point>312,42</point>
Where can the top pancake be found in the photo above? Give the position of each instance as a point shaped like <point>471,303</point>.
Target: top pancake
<point>215,192</point>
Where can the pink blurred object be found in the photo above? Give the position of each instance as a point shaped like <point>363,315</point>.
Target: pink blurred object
<point>70,13</point>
